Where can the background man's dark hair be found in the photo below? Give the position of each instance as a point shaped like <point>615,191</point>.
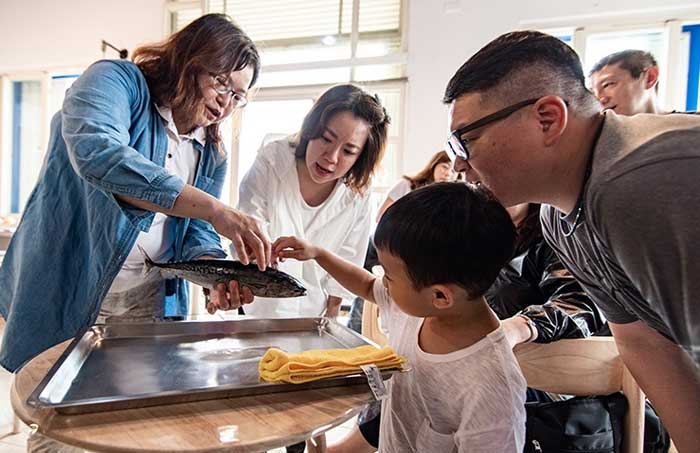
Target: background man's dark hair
<point>633,61</point>
<point>520,65</point>
<point>448,232</point>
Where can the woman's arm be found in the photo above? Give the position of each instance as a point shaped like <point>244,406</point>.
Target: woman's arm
<point>243,230</point>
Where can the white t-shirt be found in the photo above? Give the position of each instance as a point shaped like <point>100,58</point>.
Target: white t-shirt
<point>181,160</point>
<point>471,400</point>
<point>398,190</point>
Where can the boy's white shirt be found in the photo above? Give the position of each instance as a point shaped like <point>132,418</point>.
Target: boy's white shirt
<point>471,400</point>
<point>270,191</point>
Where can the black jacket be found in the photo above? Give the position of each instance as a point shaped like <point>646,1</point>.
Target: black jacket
<point>536,284</point>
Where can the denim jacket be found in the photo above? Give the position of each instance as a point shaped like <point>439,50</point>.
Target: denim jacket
<point>74,235</point>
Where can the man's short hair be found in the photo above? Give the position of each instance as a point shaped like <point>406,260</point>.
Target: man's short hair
<point>633,61</point>
<point>449,232</point>
<point>523,64</point>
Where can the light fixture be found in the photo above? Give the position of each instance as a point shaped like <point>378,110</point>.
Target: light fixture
<point>328,40</point>
<point>123,53</point>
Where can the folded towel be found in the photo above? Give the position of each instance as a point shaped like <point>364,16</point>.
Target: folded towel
<point>279,366</point>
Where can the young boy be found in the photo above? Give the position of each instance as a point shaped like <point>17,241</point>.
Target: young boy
<point>441,248</point>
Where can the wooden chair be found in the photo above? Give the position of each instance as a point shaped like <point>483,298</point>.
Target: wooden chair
<point>370,324</point>
<point>586,367</point>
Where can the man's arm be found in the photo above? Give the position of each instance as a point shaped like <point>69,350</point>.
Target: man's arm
<point>668,376</point>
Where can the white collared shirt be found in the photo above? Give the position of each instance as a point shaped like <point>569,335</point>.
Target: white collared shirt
<point>270,191</point>
<point>181,160</point>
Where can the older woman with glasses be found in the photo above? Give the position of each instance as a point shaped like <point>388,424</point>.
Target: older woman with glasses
<point>135,159</point>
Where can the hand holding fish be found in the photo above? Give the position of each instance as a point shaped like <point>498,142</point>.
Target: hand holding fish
<point>293,247</point>
<point>246,235</point>
<point>227,298</point>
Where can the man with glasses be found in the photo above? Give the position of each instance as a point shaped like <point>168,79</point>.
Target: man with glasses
<point>620,193</point>
<point>627,82</point>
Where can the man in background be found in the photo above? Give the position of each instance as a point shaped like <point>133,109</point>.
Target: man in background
<point>627,82</point>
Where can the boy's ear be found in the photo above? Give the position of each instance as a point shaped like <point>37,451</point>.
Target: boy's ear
<point>443,296</point>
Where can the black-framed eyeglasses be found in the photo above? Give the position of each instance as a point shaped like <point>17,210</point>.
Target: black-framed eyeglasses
<point>238,100</point>
<point>458,148</point>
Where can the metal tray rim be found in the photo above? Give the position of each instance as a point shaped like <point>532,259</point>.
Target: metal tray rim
<point>165,397</point>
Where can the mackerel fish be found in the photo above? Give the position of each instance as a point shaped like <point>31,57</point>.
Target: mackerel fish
<point>209,273</point>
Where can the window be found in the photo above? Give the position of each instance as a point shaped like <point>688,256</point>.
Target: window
<point>29,102</point>
<point>307,46</point>
<point>600,45</point>
<point>691,33</point>
<point>26,143</point>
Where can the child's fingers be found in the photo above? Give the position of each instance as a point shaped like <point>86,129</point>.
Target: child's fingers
<point>289,253</point>
<point>283,243</point>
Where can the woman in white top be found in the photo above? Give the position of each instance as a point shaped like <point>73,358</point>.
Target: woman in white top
<point>438,169</point>
<point>315,185</point>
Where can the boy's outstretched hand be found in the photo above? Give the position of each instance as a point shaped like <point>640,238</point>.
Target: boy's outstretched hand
<point>293,247</point>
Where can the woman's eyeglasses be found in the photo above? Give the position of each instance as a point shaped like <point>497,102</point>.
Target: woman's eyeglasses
<point>221,86</point>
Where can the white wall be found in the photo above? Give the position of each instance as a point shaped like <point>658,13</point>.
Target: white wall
<point>56,33</point>
<point>440,41</point>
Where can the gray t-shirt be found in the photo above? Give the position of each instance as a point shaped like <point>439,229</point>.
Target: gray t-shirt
<point>637,251</point>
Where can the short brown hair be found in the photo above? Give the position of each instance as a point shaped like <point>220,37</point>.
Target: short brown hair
<point>633,61</point>
<point>213,44</point>
<point>353,99</point>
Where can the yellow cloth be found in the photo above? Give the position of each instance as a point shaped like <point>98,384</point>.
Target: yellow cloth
<point>279,366</point>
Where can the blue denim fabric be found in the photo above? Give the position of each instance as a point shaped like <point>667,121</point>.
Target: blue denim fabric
<point>74,236</point>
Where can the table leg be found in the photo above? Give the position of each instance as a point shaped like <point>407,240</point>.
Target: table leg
<point>317,444</point>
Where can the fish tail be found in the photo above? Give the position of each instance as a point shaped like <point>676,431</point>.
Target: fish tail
<point>148,263</point>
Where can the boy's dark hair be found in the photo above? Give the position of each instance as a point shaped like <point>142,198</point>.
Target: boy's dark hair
<point>633,61</point>
<point>520,65</point>
<point>448,232</point>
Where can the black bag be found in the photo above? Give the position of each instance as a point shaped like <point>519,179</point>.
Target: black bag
<point>581,424</point>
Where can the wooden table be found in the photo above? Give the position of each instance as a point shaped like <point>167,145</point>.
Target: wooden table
<point>254,423</point>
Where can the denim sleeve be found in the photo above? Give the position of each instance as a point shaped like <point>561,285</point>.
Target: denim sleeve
<point>102,109</point>
<point>200,238</point>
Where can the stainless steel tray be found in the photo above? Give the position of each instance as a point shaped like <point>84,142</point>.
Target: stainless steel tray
<point>121,366</point>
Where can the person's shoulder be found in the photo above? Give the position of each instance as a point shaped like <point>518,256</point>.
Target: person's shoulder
<point>642,145</point>
<point>281,150</point>
<point>110,75</point>
<point>116,67</point>
<point>278,155</point>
